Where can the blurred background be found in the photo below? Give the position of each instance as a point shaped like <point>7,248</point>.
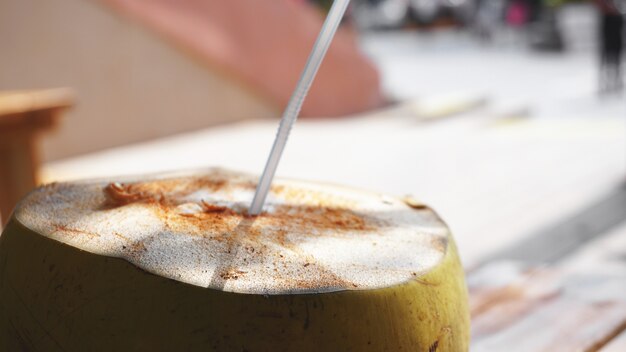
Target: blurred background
<point>507,116</point>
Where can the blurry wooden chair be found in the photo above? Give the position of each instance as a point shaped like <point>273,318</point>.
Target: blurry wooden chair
<point>24,115</point>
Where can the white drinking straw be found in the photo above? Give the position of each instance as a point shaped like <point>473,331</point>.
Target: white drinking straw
<point>295,103</point>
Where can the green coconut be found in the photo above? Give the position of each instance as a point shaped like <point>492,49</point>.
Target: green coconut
<point>174,263</point>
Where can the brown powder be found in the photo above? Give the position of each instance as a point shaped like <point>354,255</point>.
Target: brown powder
<point>232,274</point>
<point>212,208</point>
<point>75,232</point>
<point>194,228</point>
<point>164,196</point>
<point>168,190</point>
<point>119,194</point>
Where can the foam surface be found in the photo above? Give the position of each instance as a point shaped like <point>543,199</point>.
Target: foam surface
<point>193,228</point>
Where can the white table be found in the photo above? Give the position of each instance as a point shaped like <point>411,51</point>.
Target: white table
<point>493,180</point>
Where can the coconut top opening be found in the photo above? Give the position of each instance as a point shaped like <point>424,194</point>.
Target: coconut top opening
<point>194,228</point>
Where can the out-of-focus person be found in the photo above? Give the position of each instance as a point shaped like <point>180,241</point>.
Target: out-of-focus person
<point>517,13</point>
<point>611,45</point>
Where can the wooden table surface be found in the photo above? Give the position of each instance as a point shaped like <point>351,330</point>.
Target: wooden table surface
<point>497,181</point>
<point>577,304</point>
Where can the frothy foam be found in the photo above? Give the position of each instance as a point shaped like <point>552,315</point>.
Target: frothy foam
<point>193,228</point>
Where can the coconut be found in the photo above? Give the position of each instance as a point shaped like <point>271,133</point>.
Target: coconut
<point>174,262</point>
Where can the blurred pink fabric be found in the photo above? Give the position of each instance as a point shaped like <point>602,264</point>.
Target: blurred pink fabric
<point>264,45</point>
<point>517,14</point>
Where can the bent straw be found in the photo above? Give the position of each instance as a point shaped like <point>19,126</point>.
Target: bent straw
<point>295,103</point>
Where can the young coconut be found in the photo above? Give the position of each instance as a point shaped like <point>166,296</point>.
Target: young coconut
<point>172,262</point>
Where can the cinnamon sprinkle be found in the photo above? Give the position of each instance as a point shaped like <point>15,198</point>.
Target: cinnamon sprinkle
<point>212,208</point>
<point>166,195</point>
<point>119,194</point>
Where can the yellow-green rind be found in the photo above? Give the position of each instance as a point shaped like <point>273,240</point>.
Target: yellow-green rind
<point>54,297</point>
